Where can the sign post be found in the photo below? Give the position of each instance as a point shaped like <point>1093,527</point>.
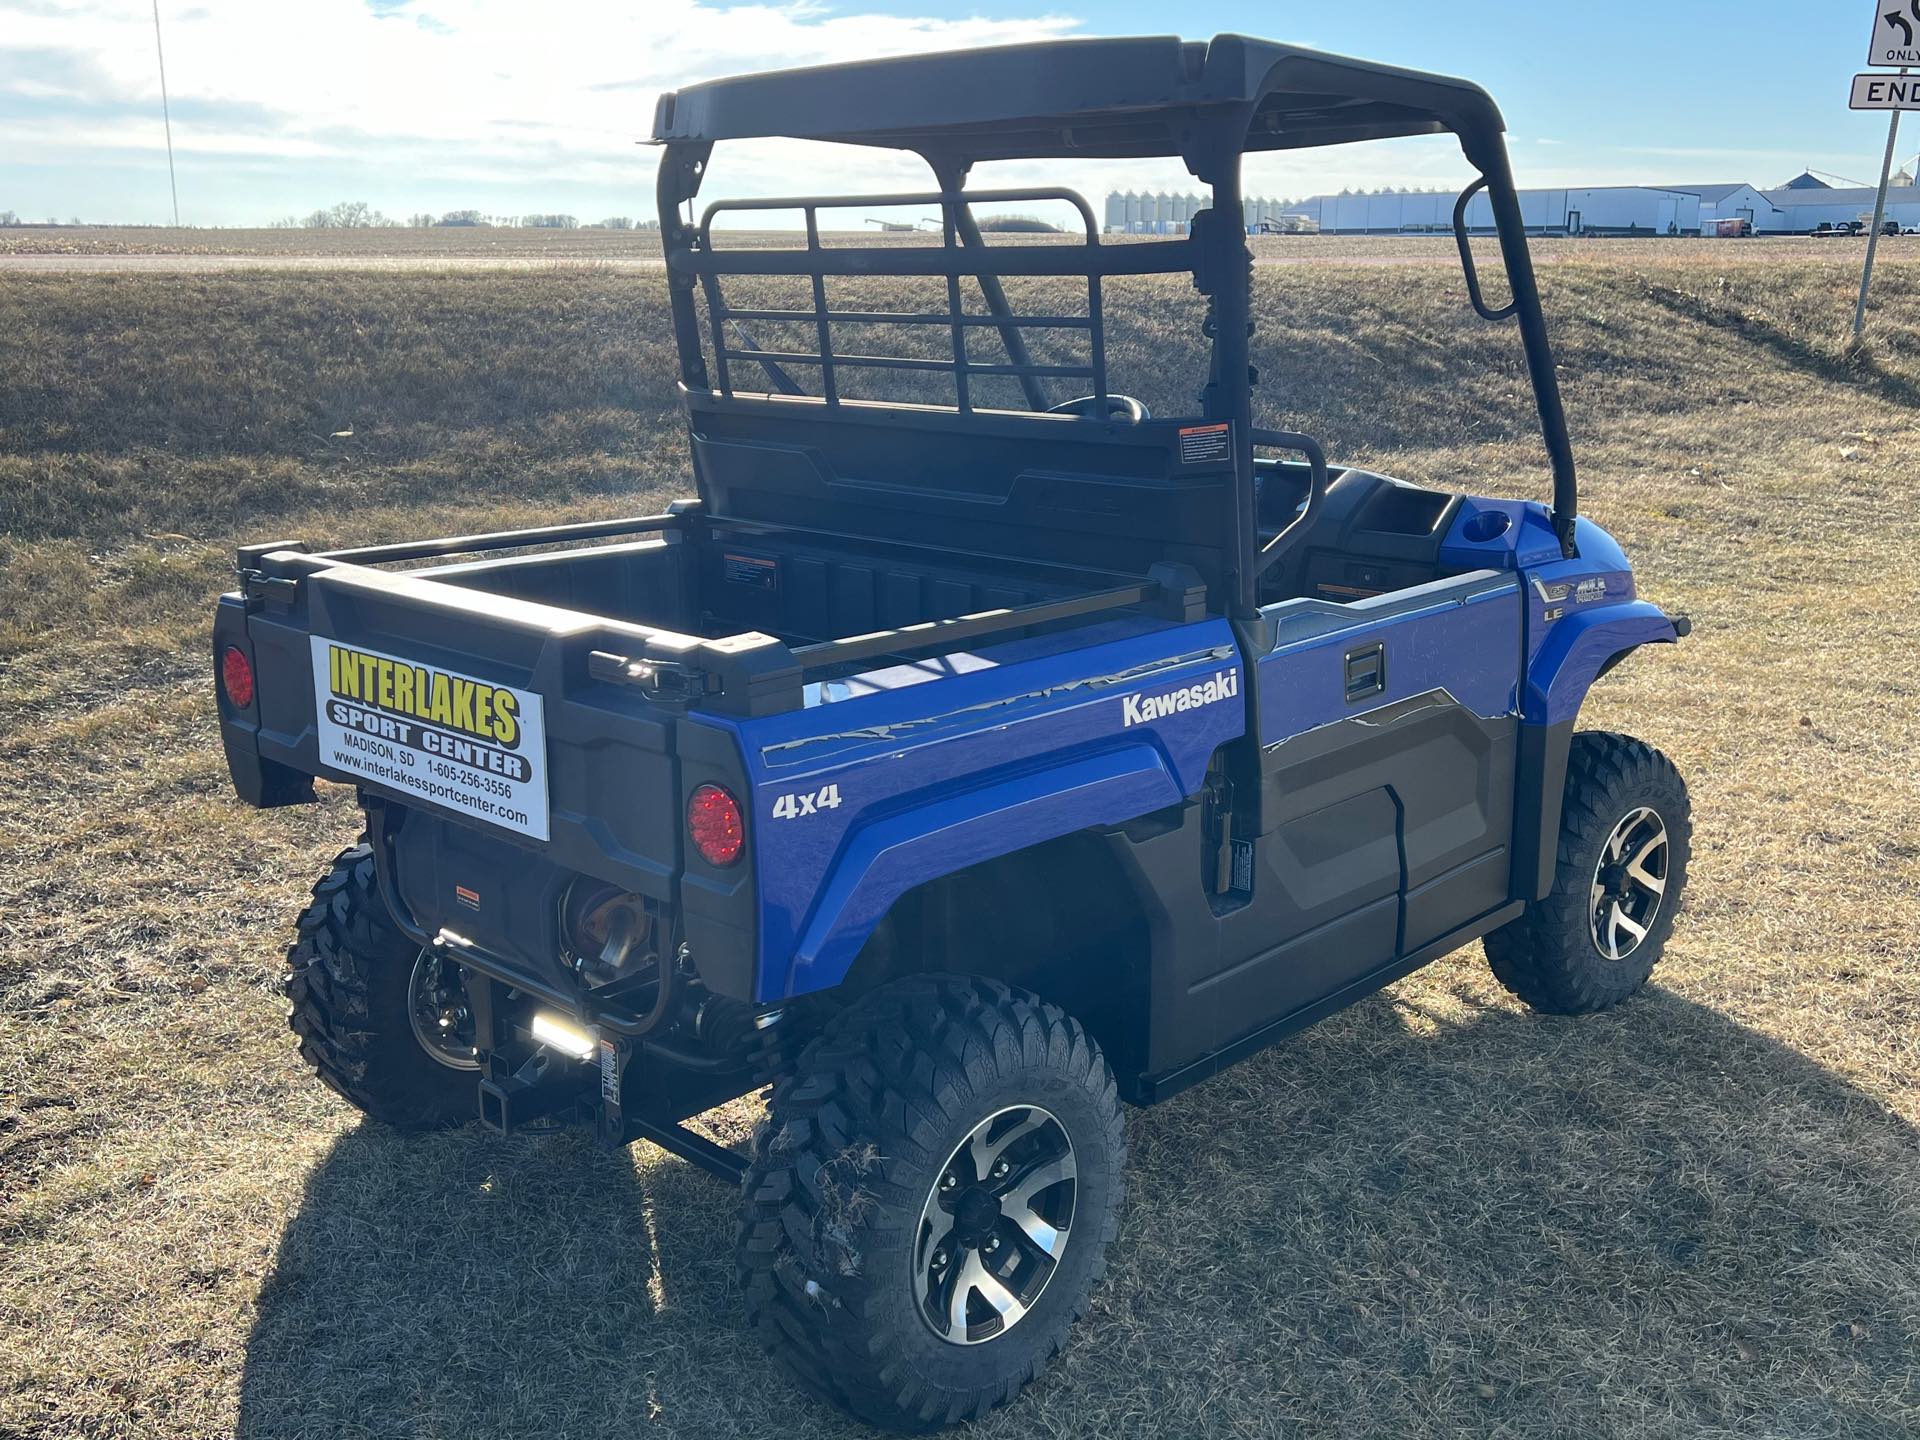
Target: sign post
<point>1879,219</point>
<point>1894,41</point>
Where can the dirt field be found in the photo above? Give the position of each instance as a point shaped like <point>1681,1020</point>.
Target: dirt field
<point>1435,1215</point>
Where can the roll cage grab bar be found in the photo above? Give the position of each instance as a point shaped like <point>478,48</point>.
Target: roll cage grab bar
<point>1214,253</point>
<point>1546,388</point>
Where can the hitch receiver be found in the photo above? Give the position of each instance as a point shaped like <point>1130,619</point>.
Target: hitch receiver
<point>541,1088</point>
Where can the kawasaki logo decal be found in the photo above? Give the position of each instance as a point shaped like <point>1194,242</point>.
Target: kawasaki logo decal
<point>1143,709</point>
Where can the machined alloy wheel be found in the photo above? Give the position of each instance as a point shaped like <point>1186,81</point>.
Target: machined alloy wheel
<point>1629,883</point>
<point>995,1226</point>
<point>437,1009</point>
<point>931,1199</point>
<point>1619,878</point>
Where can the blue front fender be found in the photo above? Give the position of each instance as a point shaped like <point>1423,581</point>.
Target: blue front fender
<point>1577,648</point>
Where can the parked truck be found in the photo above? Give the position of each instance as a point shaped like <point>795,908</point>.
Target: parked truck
<point>962,770</point>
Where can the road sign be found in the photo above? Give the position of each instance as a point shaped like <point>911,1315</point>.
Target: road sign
<point>1886,92</point>
<point>1896,36</point>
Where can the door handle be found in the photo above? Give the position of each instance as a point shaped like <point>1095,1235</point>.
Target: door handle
<point>1366,672</point>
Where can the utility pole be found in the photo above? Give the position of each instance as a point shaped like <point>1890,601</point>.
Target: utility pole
<point>166,113</point>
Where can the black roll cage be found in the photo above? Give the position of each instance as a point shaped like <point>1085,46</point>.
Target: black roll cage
<point>1300,100</point>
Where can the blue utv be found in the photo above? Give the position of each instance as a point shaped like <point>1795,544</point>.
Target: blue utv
<point>958,768</point>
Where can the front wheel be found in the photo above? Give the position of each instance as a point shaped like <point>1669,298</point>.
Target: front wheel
<point>1625,838</point>
<point>931,1200</point>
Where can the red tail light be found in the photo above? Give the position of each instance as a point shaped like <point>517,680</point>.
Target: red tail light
<point>714,820</point>
<point>236,677</point>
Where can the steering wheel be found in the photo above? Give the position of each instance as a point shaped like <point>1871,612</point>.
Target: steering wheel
<point>1119,407</point>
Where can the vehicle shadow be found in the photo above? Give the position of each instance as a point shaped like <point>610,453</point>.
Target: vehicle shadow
<point>1435,1214</point>
<point>469,1284</point>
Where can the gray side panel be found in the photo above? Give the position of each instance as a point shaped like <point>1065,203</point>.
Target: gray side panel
<point>1383,834</point>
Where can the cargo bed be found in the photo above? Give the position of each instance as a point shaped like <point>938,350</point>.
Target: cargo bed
<point>568,699</point>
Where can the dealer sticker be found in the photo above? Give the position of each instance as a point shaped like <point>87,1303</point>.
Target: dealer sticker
<point>464,744</point>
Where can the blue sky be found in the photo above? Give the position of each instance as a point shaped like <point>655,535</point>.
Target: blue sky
<point>281,106</point>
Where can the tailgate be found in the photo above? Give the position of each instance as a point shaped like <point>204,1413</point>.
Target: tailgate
<point>474,707</point>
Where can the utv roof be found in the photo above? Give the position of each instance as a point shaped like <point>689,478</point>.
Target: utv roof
<point>1108,99</point>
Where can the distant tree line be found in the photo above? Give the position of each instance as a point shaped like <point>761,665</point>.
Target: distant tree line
<point>358,215</point>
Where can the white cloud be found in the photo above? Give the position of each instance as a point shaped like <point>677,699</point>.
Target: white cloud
<point>537,104</point>
<point>557,91</point>
<point>434,91</point>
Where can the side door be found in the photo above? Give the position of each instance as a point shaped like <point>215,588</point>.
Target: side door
<point>1388,733</point>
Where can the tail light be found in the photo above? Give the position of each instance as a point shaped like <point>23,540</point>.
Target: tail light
<point>715,823</point>
<point>236,677</point>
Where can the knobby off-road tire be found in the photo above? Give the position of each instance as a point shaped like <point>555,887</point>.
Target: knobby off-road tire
<point>349,978</point>
<point>885,1122</point>
<point>1626,829</point>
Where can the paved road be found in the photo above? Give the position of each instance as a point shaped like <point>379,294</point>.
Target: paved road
<point>211,264</point>
<point>1437,251</point>
<point>207,264</point>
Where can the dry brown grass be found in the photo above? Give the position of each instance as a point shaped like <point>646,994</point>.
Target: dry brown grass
<point>1433,1215</point>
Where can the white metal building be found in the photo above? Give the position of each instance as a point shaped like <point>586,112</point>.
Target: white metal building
<point>1604,210</point>
<point>1798,208</point>
<point>1799,212</point>
<point>1733,202</point>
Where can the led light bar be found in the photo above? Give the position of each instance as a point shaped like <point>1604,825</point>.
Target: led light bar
<point>564,1036</point>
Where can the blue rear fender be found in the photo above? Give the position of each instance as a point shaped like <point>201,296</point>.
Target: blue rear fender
<point>902,776</point>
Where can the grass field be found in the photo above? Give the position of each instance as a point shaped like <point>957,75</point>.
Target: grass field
<point>1433,1215</point>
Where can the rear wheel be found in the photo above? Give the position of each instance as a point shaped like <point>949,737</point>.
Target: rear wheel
<point>382,1021</point>
<point>1625,835</point>
<point>931,1200</point>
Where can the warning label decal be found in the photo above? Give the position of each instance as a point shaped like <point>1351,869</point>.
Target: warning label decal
<point>464,744</point>
<point>1206,444</point>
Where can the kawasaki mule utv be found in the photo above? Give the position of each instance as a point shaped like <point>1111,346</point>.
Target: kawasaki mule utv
<point>960,770</point>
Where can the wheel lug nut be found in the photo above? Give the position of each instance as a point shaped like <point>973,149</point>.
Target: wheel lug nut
<point>993,1243</point>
